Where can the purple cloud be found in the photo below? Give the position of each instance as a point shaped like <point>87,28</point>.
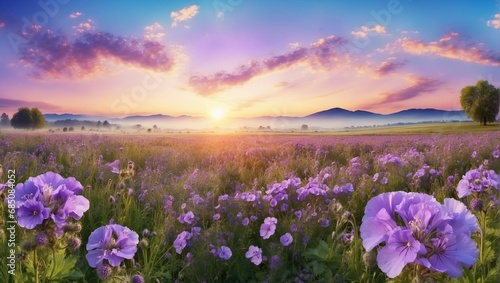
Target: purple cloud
<point>7,104</point>
<point>389,66</point>
<point>56,56</point>
<point>419,85</point>
<point>325,53</point>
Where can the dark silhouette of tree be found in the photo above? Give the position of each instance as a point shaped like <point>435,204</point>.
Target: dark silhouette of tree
<point>106,124</point>
<point>4,120</point>
<point>304,127</point>
<point>99,123</point>
<point>481,101</point>
<point>26,118</point>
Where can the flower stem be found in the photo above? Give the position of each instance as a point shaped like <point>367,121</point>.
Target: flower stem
<point>35,264</point>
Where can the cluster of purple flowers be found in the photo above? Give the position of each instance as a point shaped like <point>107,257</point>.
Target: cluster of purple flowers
<point>434,235</point>
<point>113,243</point>
<point>476,181</point>
<point>390,159</point>
<point>49,196</point>
<point>187,218</point>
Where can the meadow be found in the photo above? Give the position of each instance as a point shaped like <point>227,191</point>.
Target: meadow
<point>251,207</point>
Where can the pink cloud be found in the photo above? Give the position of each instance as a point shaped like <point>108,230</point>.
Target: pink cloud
<point>184,14</point>
<point>56,56</point>
<point>418,86</point>
<point>389,66</point>
<point>75,15</point>
<point>2,24</point>
<point>495,23</point>
<point>325,53</point>
<point>451,46</point>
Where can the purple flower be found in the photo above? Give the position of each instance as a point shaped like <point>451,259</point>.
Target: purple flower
<point>401,249</point>
<point>31,214</point>
<point>224,253</point>
<point>275,262</point>
<point>268,228</point>
<point>477,180</point>
<point>181,241</point>
<point>286,239</point>
<point>245,221</point>
<point>55,194</point>
<point>186,217</point>
<point>113,243</point>
<point>113,166</point>
<point>325,223</point>
<point>254,253</point>
<point>430,233</point>
<point>216,217</point>
<point>496,153</point>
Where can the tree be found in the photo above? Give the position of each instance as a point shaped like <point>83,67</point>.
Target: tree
<point>481,101</point>
<point>26,118</point>
<point>106,124</point>
<point>99,124</point>
<point>4,120</point>
<point>304,127</point>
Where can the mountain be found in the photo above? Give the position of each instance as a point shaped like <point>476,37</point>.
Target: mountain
<point>330,118</point>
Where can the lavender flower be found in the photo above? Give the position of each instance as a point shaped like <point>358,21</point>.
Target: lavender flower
<point>268,228</point>
<point>113,166</point>
<point>286,239</point>
<point>181,241</point>
<point>31,214</point>
<point>254,253</point>
<point>224,253</point>
<point>433,235</point>
<point>111,242</point>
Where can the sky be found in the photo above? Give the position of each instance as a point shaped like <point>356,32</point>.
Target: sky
<point>243,58</point>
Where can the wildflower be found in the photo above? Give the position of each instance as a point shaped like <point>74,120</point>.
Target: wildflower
<point>477,180</point>
<point>496,153</point>
<point>104,271</point>
<point>224,252</point>
<point>216,217</point>
<point>181,241</point>
<point>112,242</point>
<point>49,195</point>
<point>31,214</point>
<point>113,166</point>
<point>324,223</point>
<point>476,204</point>
<point>431,233</point>
<point>245,221</point>
<point>41,239</point>
<point>137,278</point>
<point>268,228</point>
<point>74,243</point>
<point>275,262</point>
<point>286,239</point>
<point>254,253</point>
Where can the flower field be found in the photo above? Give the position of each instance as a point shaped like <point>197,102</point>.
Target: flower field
<point>249,208</point>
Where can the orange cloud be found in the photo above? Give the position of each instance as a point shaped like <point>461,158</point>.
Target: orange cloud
<point>364,31</point>
<point>184,14</point>
<point>85,26</point>
<point>451,46</point>
<point>153,32</point>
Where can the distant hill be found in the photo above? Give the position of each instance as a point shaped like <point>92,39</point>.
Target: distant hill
<point>330,118</point>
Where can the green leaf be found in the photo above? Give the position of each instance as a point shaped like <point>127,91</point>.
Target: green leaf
<point>62,266</point>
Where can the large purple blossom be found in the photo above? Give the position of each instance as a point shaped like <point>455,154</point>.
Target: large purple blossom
<point>113,243</point>
<point>53,197</point>
<point>430,234</point>
<point>254,253</point>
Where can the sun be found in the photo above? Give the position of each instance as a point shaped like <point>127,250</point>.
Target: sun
<point>217,114</point>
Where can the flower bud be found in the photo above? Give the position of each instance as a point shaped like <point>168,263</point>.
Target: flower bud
<point>41,239</point>
<point>104,271</point>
